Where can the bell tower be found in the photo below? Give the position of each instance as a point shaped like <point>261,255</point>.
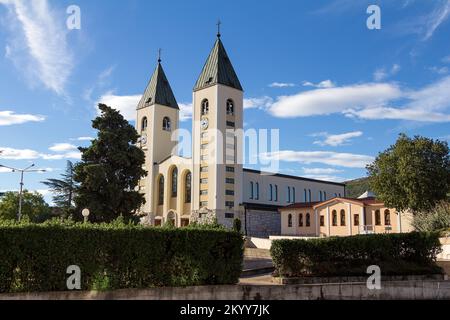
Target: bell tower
<point>157,120</point>
<point>217,114</point>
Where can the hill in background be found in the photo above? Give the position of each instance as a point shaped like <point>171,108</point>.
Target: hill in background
<point>355,188</point>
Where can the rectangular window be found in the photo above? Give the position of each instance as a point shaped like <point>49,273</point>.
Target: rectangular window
<point>203,204</point>
<point>230,124</point>
<point>204,169</point>
<point>356,220</point>
<point>230,169</point>
<point>229,192</point>
<point>204,135</point>
<point>322,221</point>
<point>229,215</point>
<point>229,204</point>
<point>204,158</point>
<point>203,181</point>
<point>204,146</point>
<point>203,192</point>
<point>229,180</point>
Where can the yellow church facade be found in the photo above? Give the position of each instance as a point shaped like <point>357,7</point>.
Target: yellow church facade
<point>212,184</point>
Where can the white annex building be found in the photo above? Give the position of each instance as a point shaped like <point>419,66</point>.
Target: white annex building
<point>213,183</point>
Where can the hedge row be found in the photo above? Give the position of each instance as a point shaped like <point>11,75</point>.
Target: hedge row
<point>395,254</point>
<point>36,257</point>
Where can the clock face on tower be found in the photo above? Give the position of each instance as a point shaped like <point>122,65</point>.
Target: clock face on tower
<point>204,123</point>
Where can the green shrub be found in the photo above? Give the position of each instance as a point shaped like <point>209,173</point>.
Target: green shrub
<point>437,219</point>
<point>237,225</point>
<point>395,254</point>
<point>115,256</point>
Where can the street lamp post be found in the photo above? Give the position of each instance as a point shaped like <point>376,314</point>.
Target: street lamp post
<point>22,172</point>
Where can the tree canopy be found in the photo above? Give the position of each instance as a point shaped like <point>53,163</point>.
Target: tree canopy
<point>33,206</point>
<point>63,189</point>
<point>412,174</point>
<point>110,169</point>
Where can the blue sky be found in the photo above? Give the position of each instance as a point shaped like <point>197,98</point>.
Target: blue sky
<point>339,92</point>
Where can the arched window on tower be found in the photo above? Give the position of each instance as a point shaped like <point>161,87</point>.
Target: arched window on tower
<point>205,107</point>
<point>167,124</point>
<point>230,107</point>
<point>144,124</point>
<point>188,186</point>
<point>161,191</point>
<point>174,183</point>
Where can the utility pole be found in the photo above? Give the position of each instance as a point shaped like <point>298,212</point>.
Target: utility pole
<point>22,172</point>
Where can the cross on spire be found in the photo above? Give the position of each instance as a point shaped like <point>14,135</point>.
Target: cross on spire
<point>159,55</point>
<point>218,28</point>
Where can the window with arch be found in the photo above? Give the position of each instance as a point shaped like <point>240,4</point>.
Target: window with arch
<point>230,107</point>
<point>335,218</point>
<point>308,220</point>
<point>324,196</point>
<point>251,191</point>
<point>144,124</point>
<point>174,188</point>
<point>343,218</point>
<point>288,195</point>
<point>387,217</point>
<point>300,220</point>
<point>188,186</point>
<point>167,124</point>
<point>276,193</point>
<point>309,194</point>
<point>377,218</point>
<point>290,220</point>
<point>306,196</point>
<point>270,193</point>
<point>293,195</point>
<point>161,191</point>
<point>205,107</point>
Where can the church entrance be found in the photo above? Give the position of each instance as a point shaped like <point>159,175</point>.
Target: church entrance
<point>184,222</point>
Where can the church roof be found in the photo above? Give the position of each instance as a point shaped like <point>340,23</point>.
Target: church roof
<point>158,91</point>
<point>218,70</point>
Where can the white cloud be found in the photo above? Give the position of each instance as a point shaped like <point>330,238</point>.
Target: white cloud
<point>370,101</point>
<point>321,85</point>
<point>383,73</point>
<point>325,177</point>
<point>435,19</point>
<point>28,154</point>
<point>333,100</point>
<point>321,171</point>
<point>185,111</point>
<point>43,34</point>
<point>8,118</point>
<point>126,105</point>
<point>62,147</point>
<point>439,70</point>
<point>446,59</point>
<point>347,160</point>
<point>281,85</point>
<point>258,103</point>
<point>84,139</point>
<point>335,140</point>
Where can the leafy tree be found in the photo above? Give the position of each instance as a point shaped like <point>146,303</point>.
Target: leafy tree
<point>33,206</point>
<point>437,219</point>
<point>412,174</point>
<point>110,169</point>
<point>237,225</point>
<point>64,188</point>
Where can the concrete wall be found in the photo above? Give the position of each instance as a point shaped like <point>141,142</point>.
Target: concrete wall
<point>404,290</point>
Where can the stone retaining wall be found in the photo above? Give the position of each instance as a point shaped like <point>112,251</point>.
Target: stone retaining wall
<point>404,290</point>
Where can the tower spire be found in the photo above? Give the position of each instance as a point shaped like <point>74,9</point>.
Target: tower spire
<point>218,28</point>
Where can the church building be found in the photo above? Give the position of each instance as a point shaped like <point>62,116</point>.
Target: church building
<point>212,184</point>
